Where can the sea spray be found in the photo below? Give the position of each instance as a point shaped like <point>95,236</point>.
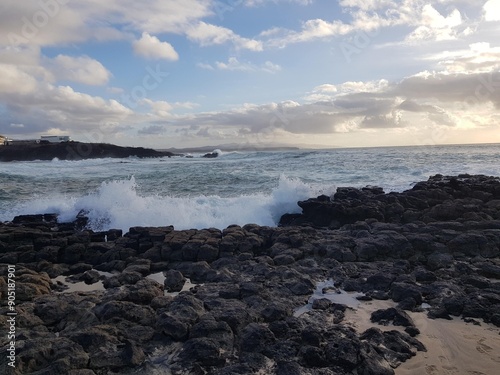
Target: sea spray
<point>117,204</point>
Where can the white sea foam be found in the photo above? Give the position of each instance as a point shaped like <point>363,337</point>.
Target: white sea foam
<point>117,204</point>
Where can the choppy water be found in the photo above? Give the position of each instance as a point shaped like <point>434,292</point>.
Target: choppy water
<point>235,188</point>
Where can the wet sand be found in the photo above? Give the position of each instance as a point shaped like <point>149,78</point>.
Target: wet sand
<point>453,346</point>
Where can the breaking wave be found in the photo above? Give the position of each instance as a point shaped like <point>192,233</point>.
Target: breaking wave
<point>117,204</point>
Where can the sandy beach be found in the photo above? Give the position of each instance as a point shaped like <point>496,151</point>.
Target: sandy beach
<point>453,346</point>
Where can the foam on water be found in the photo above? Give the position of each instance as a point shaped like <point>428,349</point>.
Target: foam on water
<point>117,204</point>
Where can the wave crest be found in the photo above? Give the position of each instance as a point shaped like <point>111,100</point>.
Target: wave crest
<point>117,204</point>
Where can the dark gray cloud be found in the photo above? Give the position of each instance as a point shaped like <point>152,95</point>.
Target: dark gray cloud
<point>466,88</point>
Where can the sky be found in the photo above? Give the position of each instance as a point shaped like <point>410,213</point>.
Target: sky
<point>310,73</point>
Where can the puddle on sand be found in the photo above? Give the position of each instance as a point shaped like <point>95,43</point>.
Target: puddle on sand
<point>80,286</point>
<point>159,277</point>
<point>327,289</point>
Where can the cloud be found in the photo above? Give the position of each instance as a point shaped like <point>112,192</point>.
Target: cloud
<point>435,26</point>
<point>412,106</point>
<point>426,100</point>
<point>14,81</point>
<point>442,99</point>
<point>40,105</point>
<point>480,57</point>
<point>253,3</point>
<point>25,55</point>
<point>492,10</point>
<point>207,34</point>
<point>233,64</point>
<point>270,67</point>
<point>423,22</point>
<point>465,89</point>
<point>468,77</point>
<point>290,117</point>
<point>155,16</point>
<point>326,92</point>
<point>152,130</point>
<point>311,30</point>
<point>389,120</point>
<point>56,22</point>
<point>325,88</point>
<point>463,93</point>
<point>205,132</point>
<point>460,89</point>
<point>40,23</point>
<point>205,66</point>
<point>82,69</point>
<point>159,108</point>
<point>164,109</point>
<point>151,47</point>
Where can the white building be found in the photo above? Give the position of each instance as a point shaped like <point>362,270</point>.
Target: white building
<point>55,138</point>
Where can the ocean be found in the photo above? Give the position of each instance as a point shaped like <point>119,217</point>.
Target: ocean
<point>239,187</point>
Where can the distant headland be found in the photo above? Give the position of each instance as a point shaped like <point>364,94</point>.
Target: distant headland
<point>72,150</point>
<point>63,147</point>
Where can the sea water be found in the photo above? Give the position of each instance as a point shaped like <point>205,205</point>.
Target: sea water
<point>234,188</point>
<point>327,290</point>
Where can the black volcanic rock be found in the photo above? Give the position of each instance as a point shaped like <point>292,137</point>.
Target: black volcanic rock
<point>396,316</point>
<point>441,198</point>
<point>249,310</point>
<point>75,151</point>
<point>211,155</point>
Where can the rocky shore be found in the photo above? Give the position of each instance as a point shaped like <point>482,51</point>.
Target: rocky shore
<point>252,299</point>
<point>74,151</point>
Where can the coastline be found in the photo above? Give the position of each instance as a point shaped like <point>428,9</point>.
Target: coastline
<point>437,244</point>
<point>73,150</point>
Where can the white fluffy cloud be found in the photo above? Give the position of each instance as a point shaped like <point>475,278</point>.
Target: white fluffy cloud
<point>53,22</point>
<point>81,69</point>
<point>15,81</point>
<point>151,47</point>
<point>478,58</point>
<point>423,19</point>
<point>41,105</point>
<point>207,34</point>
<point>435,26</point>
<point>311,30</point>
<point>492,10</point>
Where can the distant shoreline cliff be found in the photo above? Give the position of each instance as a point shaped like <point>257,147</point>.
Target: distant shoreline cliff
<point>75,151</point>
